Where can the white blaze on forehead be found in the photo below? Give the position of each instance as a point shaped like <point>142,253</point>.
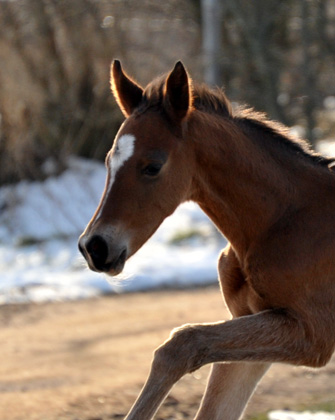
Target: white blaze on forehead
<point>123,150</point>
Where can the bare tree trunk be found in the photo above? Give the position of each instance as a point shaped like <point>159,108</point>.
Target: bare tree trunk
<point>255,24</point>
<point>211,40</point>
<point>309,70</point>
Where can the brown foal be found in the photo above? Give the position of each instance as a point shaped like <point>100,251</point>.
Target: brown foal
<point>271,197</point>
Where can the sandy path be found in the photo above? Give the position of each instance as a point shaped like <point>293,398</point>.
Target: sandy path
<point>88,360</point>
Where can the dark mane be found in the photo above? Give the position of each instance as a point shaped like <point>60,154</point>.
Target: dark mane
<point>214,101</point>
<point>209,100</point>
<point>205,99</point>
<point>253,121</point>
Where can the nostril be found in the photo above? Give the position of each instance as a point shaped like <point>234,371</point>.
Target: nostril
<point>98,250</point>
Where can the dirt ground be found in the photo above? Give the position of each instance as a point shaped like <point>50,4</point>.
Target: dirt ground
<point>88,360</point>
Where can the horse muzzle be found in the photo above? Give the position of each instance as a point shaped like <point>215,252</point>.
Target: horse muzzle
<point>101,256</point>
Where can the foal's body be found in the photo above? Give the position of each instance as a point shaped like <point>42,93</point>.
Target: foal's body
<point>272,199</point>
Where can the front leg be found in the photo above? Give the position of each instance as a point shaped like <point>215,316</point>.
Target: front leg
<point>269,336</point>
<point>160,381</point>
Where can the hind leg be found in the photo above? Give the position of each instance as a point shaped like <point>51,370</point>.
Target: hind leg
<point>229,388</point>
<point>231,385</point>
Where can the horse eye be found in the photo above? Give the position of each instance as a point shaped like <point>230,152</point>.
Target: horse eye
<point>152,169</point>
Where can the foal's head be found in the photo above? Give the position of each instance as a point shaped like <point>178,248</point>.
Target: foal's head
<point>149,168</point>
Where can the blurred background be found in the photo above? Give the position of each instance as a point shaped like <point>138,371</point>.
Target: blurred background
<point>58,120</point>
<point>277,56</point>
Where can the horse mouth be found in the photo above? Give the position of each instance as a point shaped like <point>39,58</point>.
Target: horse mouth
<point>115,267</point>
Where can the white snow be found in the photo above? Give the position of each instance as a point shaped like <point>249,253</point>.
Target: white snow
<point>306,415</point>
<point>49,216</point>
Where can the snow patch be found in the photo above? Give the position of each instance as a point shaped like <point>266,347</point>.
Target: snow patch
<point>306,415</point>
<point>48,217</point>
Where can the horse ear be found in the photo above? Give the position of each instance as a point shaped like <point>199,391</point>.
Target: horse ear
<point>127,93</point>
<point>178,92</point>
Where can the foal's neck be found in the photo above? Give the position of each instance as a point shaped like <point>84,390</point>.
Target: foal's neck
<point>242,186</point>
